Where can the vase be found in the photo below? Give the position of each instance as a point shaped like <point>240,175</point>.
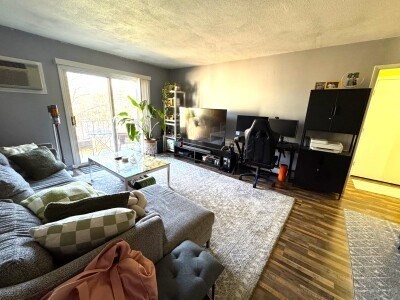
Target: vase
<point>150,147</point>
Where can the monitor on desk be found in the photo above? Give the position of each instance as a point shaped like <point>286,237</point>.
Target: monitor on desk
<point>286,128</point>
<point>245,122</point>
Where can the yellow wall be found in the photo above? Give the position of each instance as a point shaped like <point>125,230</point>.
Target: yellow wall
<point>378,152</point>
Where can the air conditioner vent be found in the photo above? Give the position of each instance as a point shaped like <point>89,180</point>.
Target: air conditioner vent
<point>10,64</point>
<point>17,75</point>
<point>13,78</point>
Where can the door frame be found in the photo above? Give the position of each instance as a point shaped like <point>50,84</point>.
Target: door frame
<point>63,66</point>
<point>372,85</point>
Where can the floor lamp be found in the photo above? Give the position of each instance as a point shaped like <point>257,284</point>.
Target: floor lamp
<point>55,116</point>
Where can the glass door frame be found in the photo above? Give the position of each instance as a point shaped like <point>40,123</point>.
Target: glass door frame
<point>69,66</point>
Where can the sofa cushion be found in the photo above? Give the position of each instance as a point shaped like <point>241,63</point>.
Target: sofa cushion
<point>21,258</point>
<point>3,160</point>
<point>12,150</point>
<point>38,163</point>
<point>55,211</point>
<point>79,234</point>
<point>182,218</point>
<point>70,192</point>
<point>59,178</point>
<point>12,185</point>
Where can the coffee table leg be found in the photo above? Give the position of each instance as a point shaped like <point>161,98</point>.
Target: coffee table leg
<point>168,175</point>
<point>90,170</point>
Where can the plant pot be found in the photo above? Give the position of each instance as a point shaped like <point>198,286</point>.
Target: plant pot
<point>150,147</point>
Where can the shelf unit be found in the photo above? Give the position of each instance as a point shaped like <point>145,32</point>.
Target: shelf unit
<point>171,119</point>
<point>332,113</point>
<point>224,160</point>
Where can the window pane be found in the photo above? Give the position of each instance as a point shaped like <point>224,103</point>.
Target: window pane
<point>90,102</point>
<point>121,89</point>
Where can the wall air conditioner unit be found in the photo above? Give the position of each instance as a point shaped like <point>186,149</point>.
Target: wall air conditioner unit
<point>18,75</point>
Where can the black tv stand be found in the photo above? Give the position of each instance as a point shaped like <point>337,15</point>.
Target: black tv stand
<point>224,160</point>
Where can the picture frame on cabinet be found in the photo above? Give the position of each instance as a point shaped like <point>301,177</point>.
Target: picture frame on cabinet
<point>320,85</point>
<point>333,84</point>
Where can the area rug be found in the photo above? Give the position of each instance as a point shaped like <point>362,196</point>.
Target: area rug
<point>86,169</point>
<point>377,188</point>
<point>375,257</point>
<point>247,221</point>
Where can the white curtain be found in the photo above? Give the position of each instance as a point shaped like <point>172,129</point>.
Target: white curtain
<point>144,95</point>
<point>144,89</point>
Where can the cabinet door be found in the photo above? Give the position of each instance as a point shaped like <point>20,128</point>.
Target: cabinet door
<point>322,171</point>
<point>307,169</point>
<point>320,110</point>
<point>333,172</point>
<point>350,109</point>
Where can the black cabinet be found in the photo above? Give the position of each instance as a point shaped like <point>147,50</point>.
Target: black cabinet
<point>333,111</point>
<point>322,171</point>
<point>340,111</point>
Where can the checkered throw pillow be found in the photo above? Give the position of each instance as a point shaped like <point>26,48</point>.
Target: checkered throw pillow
<point>82,233</point>
<point>66,193</point>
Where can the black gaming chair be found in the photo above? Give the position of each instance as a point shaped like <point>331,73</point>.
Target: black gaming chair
<point>260,145</point>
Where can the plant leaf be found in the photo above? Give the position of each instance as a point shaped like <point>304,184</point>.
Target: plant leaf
<point>133,134</point>
<point>134,102</point>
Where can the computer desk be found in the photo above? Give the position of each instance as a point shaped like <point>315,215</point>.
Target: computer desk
<point>282,147</point>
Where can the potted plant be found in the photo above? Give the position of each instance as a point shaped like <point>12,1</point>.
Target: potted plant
<point>166,91</point>
<point>167,88</point>
<point>143,125</point>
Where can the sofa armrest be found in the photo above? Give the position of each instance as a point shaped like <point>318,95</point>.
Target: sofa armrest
<point>147,236</point>
<point>48,145</point>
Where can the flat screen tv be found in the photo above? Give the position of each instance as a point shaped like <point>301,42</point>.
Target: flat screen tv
<point>203,126</point>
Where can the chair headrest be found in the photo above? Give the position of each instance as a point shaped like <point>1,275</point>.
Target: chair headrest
<point>260,125</point>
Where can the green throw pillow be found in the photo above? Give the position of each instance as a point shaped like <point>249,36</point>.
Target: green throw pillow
<point>55,211</point>
<point>70,192</point>
<point>12,150</point>
<point>38,163</point>
<point>80,234</point>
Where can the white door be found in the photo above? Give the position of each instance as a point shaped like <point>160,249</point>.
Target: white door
<point>378,152</point>
<point>91,101</point>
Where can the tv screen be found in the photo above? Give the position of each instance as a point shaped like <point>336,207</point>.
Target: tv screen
<point>203,126</point>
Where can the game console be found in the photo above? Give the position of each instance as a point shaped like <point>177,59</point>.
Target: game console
<point>325,145</point>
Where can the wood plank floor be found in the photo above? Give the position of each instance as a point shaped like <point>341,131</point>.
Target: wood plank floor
<point>311,258</point>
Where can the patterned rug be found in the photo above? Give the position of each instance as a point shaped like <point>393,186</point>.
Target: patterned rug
<point>375,258</point>
<point>247,221</point>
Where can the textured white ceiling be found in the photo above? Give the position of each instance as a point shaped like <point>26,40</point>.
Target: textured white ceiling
<point>183,33</point>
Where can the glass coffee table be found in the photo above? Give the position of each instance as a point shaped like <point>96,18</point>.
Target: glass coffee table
<point>142,165</point>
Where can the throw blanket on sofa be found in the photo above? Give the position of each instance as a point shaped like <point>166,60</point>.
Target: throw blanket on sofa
<point>116,273</point>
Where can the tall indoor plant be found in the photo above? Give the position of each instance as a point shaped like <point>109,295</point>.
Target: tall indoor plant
<point>143,125</point>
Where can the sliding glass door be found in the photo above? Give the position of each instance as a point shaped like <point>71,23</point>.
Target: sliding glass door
<point>92,101</point>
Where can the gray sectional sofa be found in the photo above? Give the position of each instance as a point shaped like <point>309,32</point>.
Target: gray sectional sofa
<point>170,220</point>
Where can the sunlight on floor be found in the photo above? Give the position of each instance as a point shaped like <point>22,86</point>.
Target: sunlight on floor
<point>377,188</point>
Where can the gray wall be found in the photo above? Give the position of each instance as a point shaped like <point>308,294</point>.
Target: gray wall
<point>24,117</point>
<point>280,85</point>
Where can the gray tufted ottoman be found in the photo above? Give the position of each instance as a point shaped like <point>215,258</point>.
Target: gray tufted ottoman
<point>188,272</point>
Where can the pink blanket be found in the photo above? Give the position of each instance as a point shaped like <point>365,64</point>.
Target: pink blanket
<point>116,273</point>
